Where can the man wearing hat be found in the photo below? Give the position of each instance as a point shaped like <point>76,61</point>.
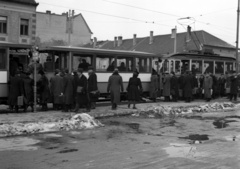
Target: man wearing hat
<point>92,88</point>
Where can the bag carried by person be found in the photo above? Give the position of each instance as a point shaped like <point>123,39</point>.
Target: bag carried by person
<point>79,89</point>
<point>95,93</point>
<point>20,101</point>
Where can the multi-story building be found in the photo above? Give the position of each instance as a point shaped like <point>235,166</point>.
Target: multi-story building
<point>54,29</point>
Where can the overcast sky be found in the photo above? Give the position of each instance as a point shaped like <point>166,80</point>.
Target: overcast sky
<point>109,18</point>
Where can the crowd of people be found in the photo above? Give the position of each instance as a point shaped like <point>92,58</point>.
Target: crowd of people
<point>70,91</point>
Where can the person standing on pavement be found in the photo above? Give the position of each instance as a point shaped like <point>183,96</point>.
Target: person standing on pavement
<point>133,89</point>
<point>81,90</point>
<point>16,90</point>
<point>221,83</point>
<point>115,84</point>
<point>181,82</point>
<point>207,87</point>
<point>28,91</point>
<point>166,86</point>
<point>174,87</point>
<point>188,86</point>
<point>154,86</point>
<point>92,88</point>
<point>57,90</point>
<point>234,87</point>
<point>68,90</point>
<point>43,90</point>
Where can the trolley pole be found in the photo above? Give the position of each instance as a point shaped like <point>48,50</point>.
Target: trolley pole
<point>237,42</point>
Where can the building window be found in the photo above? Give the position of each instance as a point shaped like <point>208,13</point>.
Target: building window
<point>3,24</point>
<point>24,27</point>
<point>3,57</point>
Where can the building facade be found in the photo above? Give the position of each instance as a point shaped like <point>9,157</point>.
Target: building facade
<point>54,29</point>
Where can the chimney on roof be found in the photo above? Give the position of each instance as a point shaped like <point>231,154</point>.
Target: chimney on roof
<point>64,14</point>
<point>94,42</point>
<point>115,42</point>
<point>134,39</point>
<point>48,12</point>
<point>73,12</point>
<point>119,41</point>
<point>151,37</point>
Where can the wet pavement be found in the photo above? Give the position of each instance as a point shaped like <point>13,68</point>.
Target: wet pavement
<point>203,140</point>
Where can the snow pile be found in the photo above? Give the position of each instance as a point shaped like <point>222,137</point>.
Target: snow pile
<point>162,111</point>
<point>78,121</point>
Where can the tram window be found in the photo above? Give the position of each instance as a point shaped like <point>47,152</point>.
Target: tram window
<point>105,63</point>
<point>125,64</point>
<point>177,67</point>
<point>229,67</point>
<point>82,61</point>
<point>185,65</point>
<point>171,66</point>
<point>165,66</point>
<point>197,67</point>
<point>60,60</point>
<point>208,67</point>
<point>46,59</point>
<point>2,59</point>
<point>143,65</point>
<point>219,67</point>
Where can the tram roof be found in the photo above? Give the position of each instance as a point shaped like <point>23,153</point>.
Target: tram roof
<point>14,45</point>
<point>95,51</point>
<point>197,56</point>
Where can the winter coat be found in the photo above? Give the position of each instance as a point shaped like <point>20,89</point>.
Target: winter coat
<point>187,86</point>
<point>134,89</point>
<point>221,84</point>
<point>166,85</point>
<point>16,89</point>
<point>68,89</point>
<point>154,86</point>
<point>43,89</point>
<point>82,98</point>
<point>115,84</point>
<point>207,86</point>
<point>57,89</point>
<point>174,86</point>
<point>28,89</point>
<point>92,86</point>
<point>234,85</point>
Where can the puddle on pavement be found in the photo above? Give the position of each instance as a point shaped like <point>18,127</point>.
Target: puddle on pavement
<point>68,150</point>
<point>232,138</point>
<point>183,150</point>
<point>196,138</point>
<point>18,144</point>
<point>219,124</point>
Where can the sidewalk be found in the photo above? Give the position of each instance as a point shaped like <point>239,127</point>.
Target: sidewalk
<point>99,112</point>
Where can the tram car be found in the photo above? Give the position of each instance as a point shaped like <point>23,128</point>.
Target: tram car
<point>198,63</point>
<point>103,61</point>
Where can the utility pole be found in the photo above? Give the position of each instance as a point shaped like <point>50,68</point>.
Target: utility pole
<point>35,58</point>
<point>69,29</point>
<point>237,64</point>
<point>175,40</point>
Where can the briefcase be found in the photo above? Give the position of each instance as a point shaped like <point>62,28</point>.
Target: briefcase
<point>20,101</point>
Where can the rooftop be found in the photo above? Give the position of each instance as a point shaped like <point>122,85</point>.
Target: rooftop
<point>26,2</point>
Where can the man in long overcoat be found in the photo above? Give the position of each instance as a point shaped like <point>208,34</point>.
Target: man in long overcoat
<point>16,89</point>
<point>115,84</point>
<point>234,87</point>
<point>174,87</point>
<point>57,90</point>
<point>207,87</point>
<point>154,86</point>
<point>81,90</point>
<point>187,86</point>
<point>166,86</point>
<point>28,90</point>
<point>92,88</point>
<point>68,90</point>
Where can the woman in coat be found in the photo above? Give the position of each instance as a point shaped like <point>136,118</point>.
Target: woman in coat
<point>133,89</point>
<point>68,90</point>
<point>115,84</point>
<point>92,88</point>
<point>43,90</point>
<point>154,85</point>
<point>234,87</point>
<point>81,90</point>
<point>16,89</point>
<point>166,86</point>
<point>28,91</point>
<point>207,87</point>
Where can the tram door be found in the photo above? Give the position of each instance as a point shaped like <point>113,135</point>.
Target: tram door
<point>185,65</point>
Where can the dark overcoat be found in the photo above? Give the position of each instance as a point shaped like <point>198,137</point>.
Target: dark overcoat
<point>187,85</point>
<point>234,85</point>
<point>82,96</point>
<point>134,88</point>
<point>174,86</point>
<point>166,85</point>
<point>57,89</point>
<point>16,89</point>
<point>28,89</point>
<point>154,86</point>
<point>207,86</point>
<point>68,89</point>
<point>115,84</point>
<point>92,82</point>
<point>43,89</point>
